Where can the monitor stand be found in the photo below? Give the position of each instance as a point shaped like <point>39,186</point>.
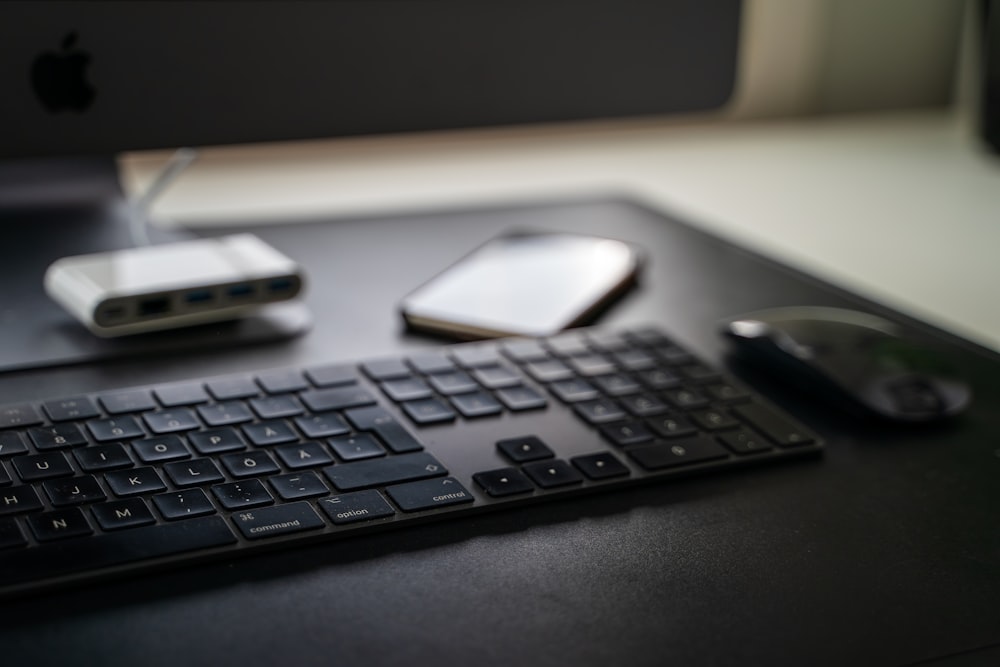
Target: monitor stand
<point>56,208</point>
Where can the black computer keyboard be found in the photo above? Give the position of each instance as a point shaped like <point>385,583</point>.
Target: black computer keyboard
<point>151,476</point>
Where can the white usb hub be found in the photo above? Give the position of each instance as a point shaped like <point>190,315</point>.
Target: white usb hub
<point>172,285</point>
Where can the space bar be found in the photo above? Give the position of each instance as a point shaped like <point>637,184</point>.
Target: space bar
<point>58,559</point>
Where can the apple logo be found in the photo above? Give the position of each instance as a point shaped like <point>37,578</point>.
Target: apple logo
<point>59,78</point>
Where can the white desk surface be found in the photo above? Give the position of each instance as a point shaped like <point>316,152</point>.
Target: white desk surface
<point>903,207</point>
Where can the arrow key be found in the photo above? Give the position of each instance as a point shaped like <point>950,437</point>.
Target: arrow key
<point>503,482</point>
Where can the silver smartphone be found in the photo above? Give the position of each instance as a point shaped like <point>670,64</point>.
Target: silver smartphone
<point>524,284</point>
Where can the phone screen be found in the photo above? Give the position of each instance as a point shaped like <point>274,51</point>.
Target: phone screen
<point>531,284</point>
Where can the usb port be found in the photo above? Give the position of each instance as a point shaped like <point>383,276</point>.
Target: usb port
<point>198,296</point>
<point>239,291</point>
<point>112,313</point>
<point>281,285</point>
<point>155,306</point>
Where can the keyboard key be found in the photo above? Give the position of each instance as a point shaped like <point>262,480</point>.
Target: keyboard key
<point>406,389</point>
<point>714,420</point>
<point>379,472</point>
<point>524,350</point>
<point>73,491</point>
<point>158,450</point>
<point>456,382</point>
<point>112,549</point>
<point>243,494</point>
<point>228,389</point>
<point>183,504</point>
<point>591,364</point>
<point>611,341</point>
<point>122,514</point>
<point>322,425</point>
<point>69,409</point>
<point>503,482</point>
<point>356,447</point>
<point>682,452</point>
<point>274,521</point>
<point>249,464</point>
<point>624,434</point>
<point>358,506</point>
<point>121,402</point>
<point>21,414</point>
<point>519,399</point>
<point>617,384</point>
<point>778,429</point>
<point>282,381</point>
<point>385,369</point>
<point>568,344</point>
<point>171,421</point>
<point>496,377</point>
<point>5,478</point>
<point>304,455</point>
<point>331,375</point>
<point>299,485</point>
<point>475,356</point>
<point>270,433</point>
<point>59,525</point>
<point>98,458</point>
<point>193,473</point>
<point>225,414</point>
<point>672,354</point>
<point>727,392</point>
<point>477,404</point>
<point>526,448</point>
<point>115,428</point>
<point>644,405</point>
<point>745,441</point>
<point>429,411</point>
<point>59,436</point>
<point>671,426</point>
<point>599,466</point>
<point>429,494</point>
<point>337,398</point>
<point>699,372</point>
<point>548,370</point>
<point>276,407</point>
<point>634,359</point>
<point>175,396</point>
<point>686,399</point>
<point>18,500</point>
<point>552,474</point>
<point>216,441</point>
<point>135,482</point>
<point>390,431</point>
<point>12,443</point>
<point>574,390</point>
<point>368,419</point>
<point>601,411</point>
<point>432,362</point>
<point>659,379</point>
<point>36,467</point>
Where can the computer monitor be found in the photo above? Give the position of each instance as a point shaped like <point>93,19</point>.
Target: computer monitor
<point>81,82</point>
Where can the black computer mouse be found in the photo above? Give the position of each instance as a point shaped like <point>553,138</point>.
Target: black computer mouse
<point>860,358</point>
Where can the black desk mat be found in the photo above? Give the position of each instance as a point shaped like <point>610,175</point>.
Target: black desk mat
<point>885,551</point>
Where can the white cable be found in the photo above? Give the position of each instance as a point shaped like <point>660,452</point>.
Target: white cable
<point>142,204</point>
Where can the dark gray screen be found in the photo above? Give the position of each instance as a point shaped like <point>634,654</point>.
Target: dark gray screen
<point>202,73</point>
